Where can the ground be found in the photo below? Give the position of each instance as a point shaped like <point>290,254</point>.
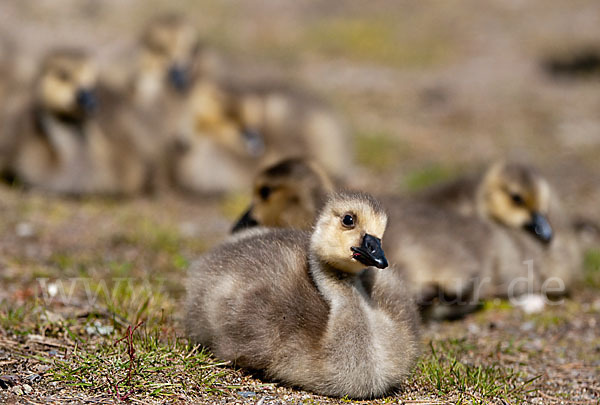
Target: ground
<point>90,290</point>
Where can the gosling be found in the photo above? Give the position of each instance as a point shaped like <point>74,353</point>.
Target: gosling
<point>310,310</point>
<point>529,223</point>
<point>288,194</point>
<point>72,137</point>
<point>234,129</point>
<point>170,59</point>
<point>209,141</point>
<point>292,123</point>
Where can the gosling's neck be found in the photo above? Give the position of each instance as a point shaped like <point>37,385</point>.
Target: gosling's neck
<point>481,196</point>
<point>45,120</point>
<point>148,86</point>
<point>334,284</point>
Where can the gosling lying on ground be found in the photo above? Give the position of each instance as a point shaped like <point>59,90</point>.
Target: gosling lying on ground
<point>73,137</point>
<point>170,59</point>
<point>233,129</point>
<point>287,195</point>
<point>529,223</point>
<point>306,308</point>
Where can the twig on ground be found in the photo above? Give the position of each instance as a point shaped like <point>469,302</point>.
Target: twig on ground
<point>132,359</point>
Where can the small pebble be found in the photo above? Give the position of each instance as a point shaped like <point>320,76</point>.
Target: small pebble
<point>33,378</point>
<point>27,388</point>
<point>17,390</point>
<point>25,230</point>
<point>41,368</point>
<point>52,289</point>
<point>51,317</point>
<point>188,229</point>
<point>531,303</point>
<point>98,329</point>
<point>535,345</point>
<point>247,394</point>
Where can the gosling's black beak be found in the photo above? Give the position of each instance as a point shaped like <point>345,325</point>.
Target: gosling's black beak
<point>254,141</point>
<point>370,252</point>
<point>540,227</point>
<point>246,221</point>
<point>178,77</point>
<point>86,100</point>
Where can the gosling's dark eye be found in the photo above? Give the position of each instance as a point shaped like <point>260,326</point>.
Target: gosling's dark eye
<point>348,220</point>
<point>517,199</point>
<point>264,192</point>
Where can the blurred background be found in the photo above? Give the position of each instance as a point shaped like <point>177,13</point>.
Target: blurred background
<point>429,89</point>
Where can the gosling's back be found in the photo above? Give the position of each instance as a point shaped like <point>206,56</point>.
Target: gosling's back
<point>253,276</point>
<point>253,301</point>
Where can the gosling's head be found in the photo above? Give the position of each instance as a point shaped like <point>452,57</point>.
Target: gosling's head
<point>169,47</point>
<point>348,233</point>
<point>66,84</point>
<point>516,196</point>
<point>287,195</point>
<point>216,116</point>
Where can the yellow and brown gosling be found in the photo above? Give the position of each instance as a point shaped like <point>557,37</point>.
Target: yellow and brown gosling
<point>248,127</point>
<point>70,137</point>
<point>171,58</point>
<point>316,310</point>
<point>288,194</point>
<point>528,220</point>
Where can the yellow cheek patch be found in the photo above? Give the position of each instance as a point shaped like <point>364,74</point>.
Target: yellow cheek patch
<point>57,94</point>
<point>86,76</point>
<point>543,196</point>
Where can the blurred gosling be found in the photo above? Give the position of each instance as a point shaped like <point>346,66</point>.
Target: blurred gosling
<point>170,59</point>
<point>288,194</point>
<point>251,126</point>
<point>71,137</point>
<point>528,220</point>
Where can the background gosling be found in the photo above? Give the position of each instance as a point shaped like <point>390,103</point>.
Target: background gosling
<point>170,59</point>
<point>71,137</point>
<point>292,124</point>
<point>519,202</point>
<point>288,194</point>
<point>239,128</point>
<point>529,223</point>
<point>302,307</point>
